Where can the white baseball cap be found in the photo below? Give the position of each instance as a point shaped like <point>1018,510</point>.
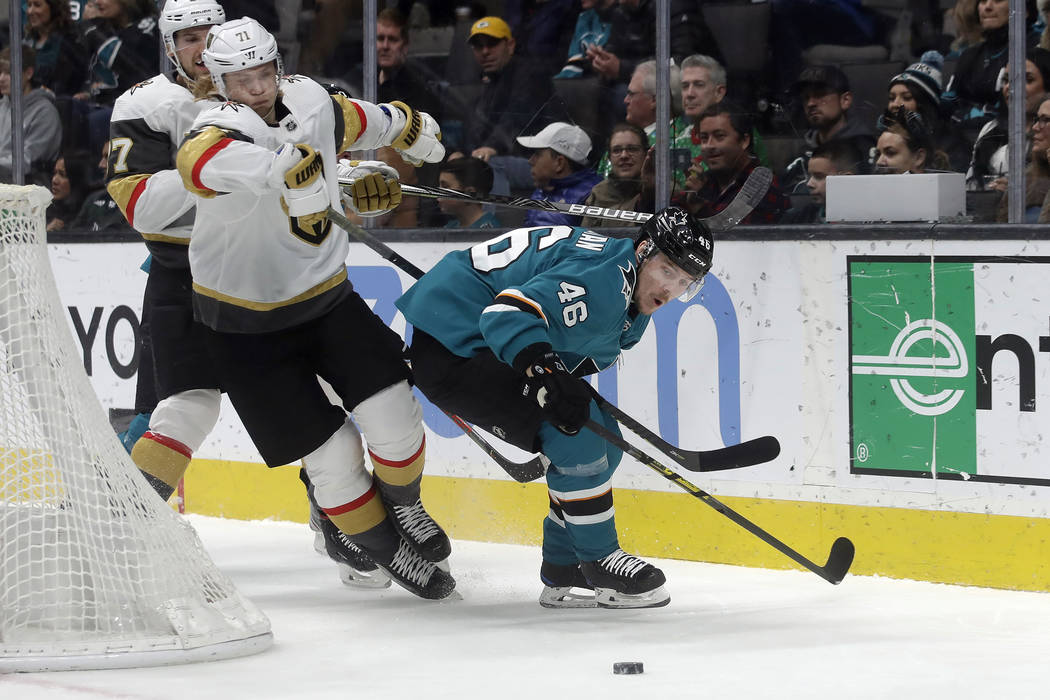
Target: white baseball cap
<point>568,140</point>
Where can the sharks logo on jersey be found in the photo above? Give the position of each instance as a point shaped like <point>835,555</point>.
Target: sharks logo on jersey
<point>630,278</point>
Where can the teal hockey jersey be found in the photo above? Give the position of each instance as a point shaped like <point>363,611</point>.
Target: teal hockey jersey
<point>563,285</point>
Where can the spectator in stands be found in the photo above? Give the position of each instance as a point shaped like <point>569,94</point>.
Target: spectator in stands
<point>918,89</point>
<point>703,83</point>
<point>473,176</point>
<point>42,128</point>
<point>592,29</point>
<point>641,106</point>
<point>125,48</point>
<point>906,145</point>
<point>826,98</point>
<point>988,161</point>
<point>834,157</point>
<point>972,96</point>
<point>799,24</point>
<point>99,211</point>
<point>1037,173</point>
<point>726,161</point>
<point>61,62</point>
<point>622,188</point>
<point>513,99</point>
<point>961,22</point>
<point>559,168</point>
<point>69,188</point>
<point>541,29</point>
<point>399,78</point>
<point>632,38</point>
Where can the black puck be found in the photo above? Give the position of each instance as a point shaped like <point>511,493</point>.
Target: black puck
<point>627,667</point>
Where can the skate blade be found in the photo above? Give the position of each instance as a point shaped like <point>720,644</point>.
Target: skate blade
<point>319,544</point>
<point>608,598</point>
<point>563,597</point>
<point>364,580</point>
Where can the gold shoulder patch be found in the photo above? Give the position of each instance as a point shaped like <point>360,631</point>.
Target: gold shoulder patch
<point>195,152</point>
<point>353,122</point>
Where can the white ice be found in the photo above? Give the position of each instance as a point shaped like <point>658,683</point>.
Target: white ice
<point>729,632</point>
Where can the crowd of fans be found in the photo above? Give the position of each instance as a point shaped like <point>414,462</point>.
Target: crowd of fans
<point>512,85</point>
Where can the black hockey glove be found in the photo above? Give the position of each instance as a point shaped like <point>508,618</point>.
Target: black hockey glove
<point>564,398</point>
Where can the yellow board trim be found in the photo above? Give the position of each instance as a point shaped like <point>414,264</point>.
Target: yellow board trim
<point>997,551</point>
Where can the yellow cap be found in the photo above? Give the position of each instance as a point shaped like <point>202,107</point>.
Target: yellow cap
<point>490,26</point>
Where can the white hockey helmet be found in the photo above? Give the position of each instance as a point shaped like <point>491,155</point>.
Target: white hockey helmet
<point>236,45</point>
<point>183,14</point>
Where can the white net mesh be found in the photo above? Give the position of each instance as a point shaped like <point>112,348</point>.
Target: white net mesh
<point>95,570</point>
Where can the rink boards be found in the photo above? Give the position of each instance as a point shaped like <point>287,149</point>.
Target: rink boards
<point>905,381</point>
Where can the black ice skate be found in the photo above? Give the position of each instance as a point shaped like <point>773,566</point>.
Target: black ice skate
<point>395,557</point>
<point>356,569</point>
<point>421,532</point>
<point>622,580</point>
<point>417,575</point>
<point>559,580</point>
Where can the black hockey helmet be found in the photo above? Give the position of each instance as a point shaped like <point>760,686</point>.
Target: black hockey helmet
<point>686,241</point>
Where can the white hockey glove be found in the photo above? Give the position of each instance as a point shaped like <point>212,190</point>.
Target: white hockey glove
<point>369,187</point>
<point>415,135</point>
<point>298,172</point>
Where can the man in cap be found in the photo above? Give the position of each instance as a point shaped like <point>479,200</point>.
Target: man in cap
<point>559,168</point>
<point>826,99</point>
<point>512,100</point>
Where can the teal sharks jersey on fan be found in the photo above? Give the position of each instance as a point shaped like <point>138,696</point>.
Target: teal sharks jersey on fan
<point>562,285</point>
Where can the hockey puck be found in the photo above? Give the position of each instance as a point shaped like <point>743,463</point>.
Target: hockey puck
<point>627,667</point>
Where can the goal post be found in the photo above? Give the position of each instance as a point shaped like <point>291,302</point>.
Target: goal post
<point>96,571</point>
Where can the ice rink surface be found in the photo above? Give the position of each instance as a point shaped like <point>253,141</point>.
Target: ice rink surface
<point>729,632</point>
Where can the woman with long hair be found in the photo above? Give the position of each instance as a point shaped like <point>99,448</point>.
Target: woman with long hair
<point>70,183</point>
<point>989,159</point>
<point>61,62</point>
<point>1037,173</point>
<point>906,145</point>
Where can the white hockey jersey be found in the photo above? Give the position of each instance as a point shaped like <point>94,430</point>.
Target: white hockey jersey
<point>149,122</point>
<point>255,269</point>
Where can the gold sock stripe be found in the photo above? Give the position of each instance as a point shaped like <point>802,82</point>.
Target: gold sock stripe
<point>159,460</point>
<point>361,514</point>
<point>399,472</point>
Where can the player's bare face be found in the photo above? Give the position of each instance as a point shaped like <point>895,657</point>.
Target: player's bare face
<point>390,46</point>
<point>189,43</point>
<point>900,96</point>
<point>659,281</point>
<point>38,14</point>
<point>255,87</point>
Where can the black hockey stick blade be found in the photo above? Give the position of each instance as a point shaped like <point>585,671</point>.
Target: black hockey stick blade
<point>744,454</point>
<point>522,472</point>
<point>749,197</point>
<point>624,216</point>
<point>839,559</point>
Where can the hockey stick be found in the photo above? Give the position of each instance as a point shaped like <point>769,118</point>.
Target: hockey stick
<point>523,472</point>
<point>839,559</point>
<point>750,196</point>
<point>744,454</point>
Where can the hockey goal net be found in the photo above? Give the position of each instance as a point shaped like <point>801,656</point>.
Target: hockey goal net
<point>95,570</point>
